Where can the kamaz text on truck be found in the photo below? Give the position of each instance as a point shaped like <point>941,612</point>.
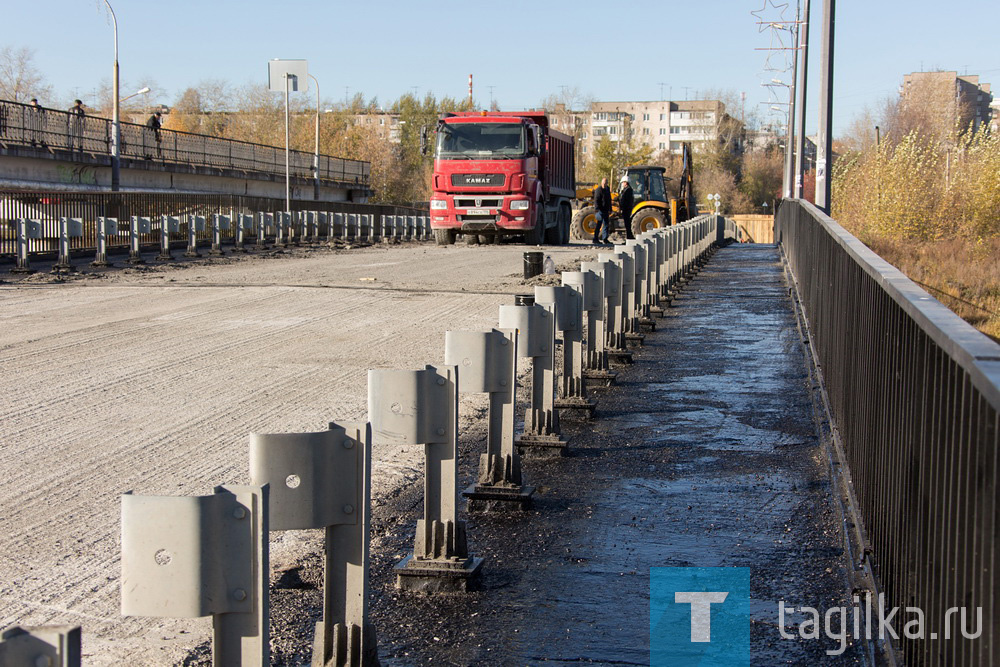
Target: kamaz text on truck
<point>501,173</point>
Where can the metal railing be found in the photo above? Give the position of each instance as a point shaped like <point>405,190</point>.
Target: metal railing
<point>52,130</point>
<point>914,394</point>
<point>50,207</point>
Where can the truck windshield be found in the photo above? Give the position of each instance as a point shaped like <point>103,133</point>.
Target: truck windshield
<point>475,140</point>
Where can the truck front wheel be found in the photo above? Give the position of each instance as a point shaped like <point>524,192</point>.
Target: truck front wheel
<point>536,234</point>
<point>444,236</point>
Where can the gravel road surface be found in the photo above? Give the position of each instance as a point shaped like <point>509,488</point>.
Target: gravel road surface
<point>151,379</point>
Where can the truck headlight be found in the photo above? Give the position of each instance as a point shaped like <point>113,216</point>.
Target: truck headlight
<point>519,205</point>
<point>439,205</point>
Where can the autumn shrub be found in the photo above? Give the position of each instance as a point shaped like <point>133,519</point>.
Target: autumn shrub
<point>933,210</point>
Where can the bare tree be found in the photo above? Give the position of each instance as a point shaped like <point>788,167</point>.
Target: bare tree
<point>20,80</point>
<point>570,98</point>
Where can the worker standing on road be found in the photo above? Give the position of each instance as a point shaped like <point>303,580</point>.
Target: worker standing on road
<point>602,202</point>
<point>626,199</point>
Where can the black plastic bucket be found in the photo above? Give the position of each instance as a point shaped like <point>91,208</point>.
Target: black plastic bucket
<point>533,263</point>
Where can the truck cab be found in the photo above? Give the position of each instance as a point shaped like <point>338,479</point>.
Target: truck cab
<point>494,175</point>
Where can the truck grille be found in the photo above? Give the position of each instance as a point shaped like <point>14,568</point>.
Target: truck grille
<point>478,202</point>
<point>474,180</point>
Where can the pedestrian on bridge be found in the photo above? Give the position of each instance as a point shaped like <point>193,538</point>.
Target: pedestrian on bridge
<point>602,202</point>
<point>626,200</point>
<point>75,123</point>
<point>153,128</point>
<point>36,122</point>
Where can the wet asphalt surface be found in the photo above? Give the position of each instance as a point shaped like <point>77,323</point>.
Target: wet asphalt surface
<point>705,453</point>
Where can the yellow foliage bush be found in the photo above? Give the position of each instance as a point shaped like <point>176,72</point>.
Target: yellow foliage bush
<point>932,210</point>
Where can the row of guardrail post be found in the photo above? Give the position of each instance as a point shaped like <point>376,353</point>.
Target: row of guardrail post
<point>208,555</point>
<point>301,228</point>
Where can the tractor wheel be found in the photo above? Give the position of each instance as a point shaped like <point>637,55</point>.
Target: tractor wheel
<point>647,219</point>
<point>584,224</point>
<point>536,235</point>
<point>444,236</point>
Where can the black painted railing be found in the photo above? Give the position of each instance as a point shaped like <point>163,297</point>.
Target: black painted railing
<point>914,395</point>
<point>48,129</point>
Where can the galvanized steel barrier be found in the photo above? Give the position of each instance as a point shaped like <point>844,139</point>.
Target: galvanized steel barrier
<point>208,555</point>
<point>914,394</point>
<point>49,223</point>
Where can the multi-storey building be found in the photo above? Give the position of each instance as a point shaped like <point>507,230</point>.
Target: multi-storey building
<point>661,125</point>
<point>385,123</point>
<point>960,99</point>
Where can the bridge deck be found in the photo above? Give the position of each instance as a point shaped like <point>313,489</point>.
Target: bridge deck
<point>706,454</point>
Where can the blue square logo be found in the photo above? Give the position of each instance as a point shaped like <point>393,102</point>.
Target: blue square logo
<point>699,616</point>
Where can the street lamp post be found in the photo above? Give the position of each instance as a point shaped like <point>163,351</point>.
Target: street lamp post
<point>115,112</point>
<point>316,155</point>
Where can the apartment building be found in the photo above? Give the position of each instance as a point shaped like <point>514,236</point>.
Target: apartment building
<point>385,124</point>
<point>661,125</point>
<point>959,98</point>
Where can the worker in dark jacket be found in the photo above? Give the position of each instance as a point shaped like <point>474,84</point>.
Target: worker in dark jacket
<point>602,202</point>
<point>626,200</point>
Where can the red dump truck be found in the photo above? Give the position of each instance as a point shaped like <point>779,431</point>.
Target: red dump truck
<point>501,173</point>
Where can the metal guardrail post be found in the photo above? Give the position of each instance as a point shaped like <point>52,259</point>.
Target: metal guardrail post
<point>322,223</point>
<point>294,229</point>
<point>243,224</point>
<point>45,646</point>
<point>421,407</point>
<point>634,257</point>
<point>188,557</point>
<point>105,227</point>
<point>26,230</point>
<point>335,225</point>
<point>654,248</point>
<point>641,249</point>
<point>195,224</point>
<point>281,223</point>
<point>264,220</point>
<point>313,221</point>
<point>618,312</point>
<point>589,284</point>
<point>168,225</point>
<point>137,228</point>
<point>487,363</point>
<point>349,221</point>
<point>323,480</point>
<point>567,304</point>
<point>535,325</point>
<point>68,228</point>
<point>596,295</point>
<point>219,222</point>
<point>662,238</point>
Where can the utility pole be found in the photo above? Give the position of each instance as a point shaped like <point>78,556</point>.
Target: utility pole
<point>824,160</point>
<point>800,105</point>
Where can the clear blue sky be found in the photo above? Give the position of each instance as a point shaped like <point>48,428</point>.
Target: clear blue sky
<point>525,50</point>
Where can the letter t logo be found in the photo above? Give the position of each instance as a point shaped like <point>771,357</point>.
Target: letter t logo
<point>701,612</point>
